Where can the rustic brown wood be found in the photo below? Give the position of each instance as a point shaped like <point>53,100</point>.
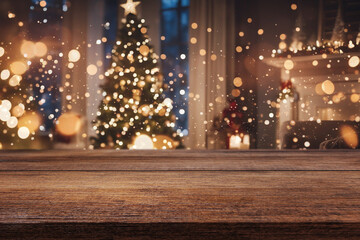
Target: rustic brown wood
<point>185,194</point>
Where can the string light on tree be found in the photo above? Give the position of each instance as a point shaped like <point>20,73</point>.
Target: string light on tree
<point>133,111</point>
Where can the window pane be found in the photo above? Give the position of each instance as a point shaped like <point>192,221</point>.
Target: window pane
<point>170,25</point>
<point>184,25</point>
<point>169,4</point>
<point>185,3</point>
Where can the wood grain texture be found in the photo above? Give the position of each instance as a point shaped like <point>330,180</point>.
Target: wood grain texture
<point>206,195</point>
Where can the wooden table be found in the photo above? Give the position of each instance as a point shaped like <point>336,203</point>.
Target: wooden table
<point>180,195</point>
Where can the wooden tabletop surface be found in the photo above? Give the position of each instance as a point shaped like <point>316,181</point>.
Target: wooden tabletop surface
<point>153,187</point>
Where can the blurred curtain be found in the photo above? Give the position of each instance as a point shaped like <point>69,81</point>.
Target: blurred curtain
<point>211,64</point>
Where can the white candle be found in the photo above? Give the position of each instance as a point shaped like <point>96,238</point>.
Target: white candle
<point>239,141</point>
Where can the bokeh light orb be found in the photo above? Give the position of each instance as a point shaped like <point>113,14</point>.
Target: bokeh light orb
<point>18,67</point>
<point>318,89</point>
<point>91,69</point>
<point>354,61</point>
<point>5,74</point>
<point>2,51</point>
<point>27,49</point>
<point>354,97</point>
<point>74,55</point>
<point>40,49</point>
<point>144,50</point>
<point>23,132</point>
<point>15,80</point>
<point>68,124</point>
<point>328,87</point>
<point>18,110</point>
<point>350,136</point>
<point>288,64</point>
<point>30,120</point>
<point>12,122</point>
<point>6,104</point>
<point>4,114</point>
<point>143,142</point>
<point>237,82</point>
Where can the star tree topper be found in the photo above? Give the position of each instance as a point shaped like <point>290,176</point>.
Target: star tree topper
<point>130,7</point>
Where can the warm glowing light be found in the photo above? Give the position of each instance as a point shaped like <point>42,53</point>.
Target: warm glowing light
<point>288,64</point>
<point>328,87</point>
<point>14,80</point>
<point>11,15</point>
<point>74,55</point>
<point>23,132</point>
<point>30,120</point>
<point>237,82</point>
<point>4,114</point>
<point>283,36</point>
<point>350,136</point>
<point>261,31</point>
<point>12,122</point>
<point>143,142</point>
<point>18,68</point>
<point>238,49</point>
<point>68,124</point>
<point>42,3</point>
<point>144,50</point>
<point>315,63</point>
<point>235,92</point>
<point>293,6</point>
<point>193,40</point>
<point>164,142</point>
<point>354,61</point>
<point>27,49</point>
<point>318,89</point>
<point>18,110</point>
<point>2,51</point>
<point>6,104</point>
<point>202,52</point>
<point>282,45</point>
<point>40,49</point>
<point>5,74</point>
<point>143,30</point>
<point>354,97</point>
<point>91,69</point>
<point>194,26</point>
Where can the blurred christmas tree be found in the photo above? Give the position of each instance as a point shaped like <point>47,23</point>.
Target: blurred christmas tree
<point>17,118</point>
<point>133,113</point>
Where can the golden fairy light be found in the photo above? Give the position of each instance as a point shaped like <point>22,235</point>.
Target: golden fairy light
<point>350,136</point>
<point>2,51</point>
<point>30,120</point>
<point>23,132</point>
<point>354,61</point>
<point>27,49</point>
<point>5,74</point>
<point>143,142</point>
<point>68,124</point>
<point>74,55</point>
<point>91,69</point>
<point>144,50</point>
<point>354,97</point>
<point>328,87</point>
<point>40,49</point>
<point>288,64</point>
<point>237,82</point>
<point>18,68</point>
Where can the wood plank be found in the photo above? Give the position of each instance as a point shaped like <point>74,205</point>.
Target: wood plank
<point>179,196</point>
<point>264,160</point>
<point>190,194</point>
